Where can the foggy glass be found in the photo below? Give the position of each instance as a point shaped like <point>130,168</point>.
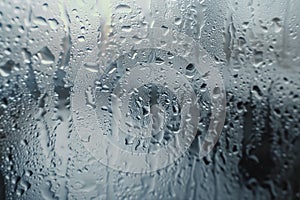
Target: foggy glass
<point>154,99</point>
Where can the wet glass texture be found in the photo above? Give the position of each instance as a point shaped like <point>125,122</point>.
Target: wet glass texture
<point>149,99</point>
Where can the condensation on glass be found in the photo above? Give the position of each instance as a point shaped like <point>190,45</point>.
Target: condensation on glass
<point>152,99</point>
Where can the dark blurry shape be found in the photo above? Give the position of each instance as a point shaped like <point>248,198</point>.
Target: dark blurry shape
<point>2,187</point>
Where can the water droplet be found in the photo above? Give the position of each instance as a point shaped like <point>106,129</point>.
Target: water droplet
<point>45,6</point>
<point>6,68</point>
<point>90,97</point>
<point>178,21</point>
<point>126,28</point>
<point>40,21</point>
<point>26,56</point>
<point>257,92</point>
<point>277,24</point>
<point>123,8</point>
<point>46,57</point>
<point>92,67</point>
<point>81,39</point>
<point>53,23</point>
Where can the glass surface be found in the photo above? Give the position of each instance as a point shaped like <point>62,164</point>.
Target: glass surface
<point>149,99</point>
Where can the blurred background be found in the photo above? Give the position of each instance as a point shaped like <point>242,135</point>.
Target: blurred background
<point>254,43</point>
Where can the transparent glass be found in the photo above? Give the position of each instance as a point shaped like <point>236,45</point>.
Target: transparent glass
<point>154,99</point>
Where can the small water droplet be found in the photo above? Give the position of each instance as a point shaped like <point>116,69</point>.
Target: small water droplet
<point>46,57</point>
<point>40,21</point>
<point>126,28</point>
<point>277,24</point>
<point>178,21</point>
<point>256,92</point>
<point>53,23</point>
<point>81,39</point>
<point>45,6</point>
<point>6,68</point>
<point>92,67</point>
<point>123,8</point>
